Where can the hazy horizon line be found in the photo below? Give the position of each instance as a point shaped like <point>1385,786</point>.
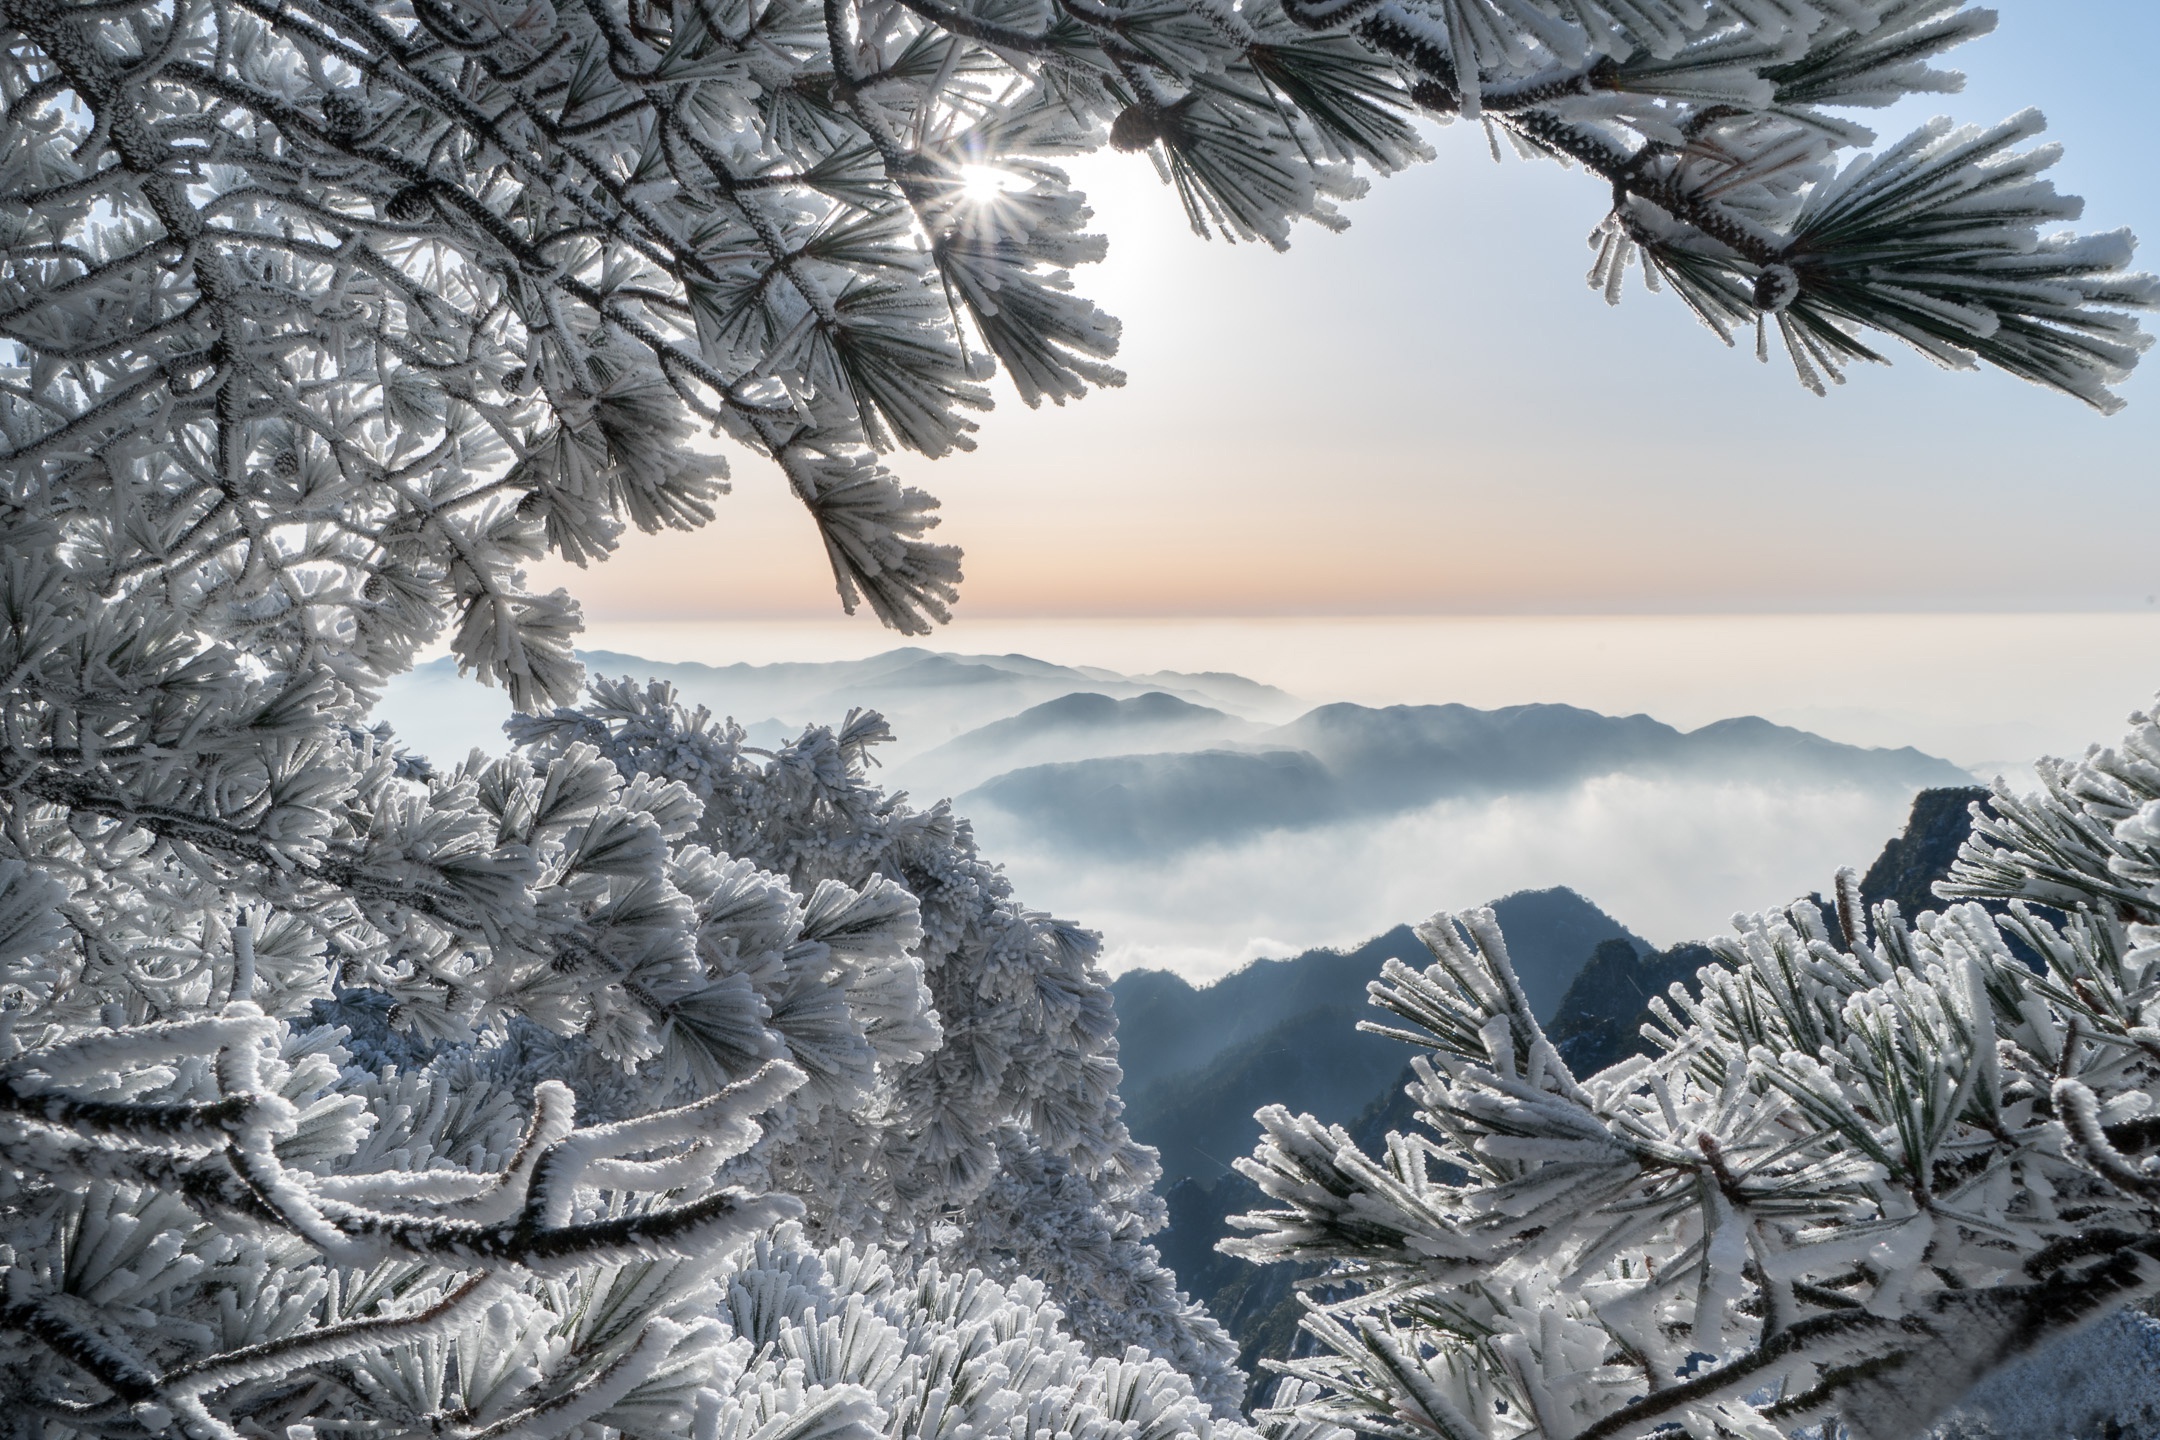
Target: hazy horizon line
<point>867,622</point>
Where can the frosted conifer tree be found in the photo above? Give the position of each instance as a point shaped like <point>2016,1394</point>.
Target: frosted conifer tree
<point>995,1145</point>
<point>346,1091</point>
<point>329,314</point>
<point>1875,1161</point>
<point>298,1034</point>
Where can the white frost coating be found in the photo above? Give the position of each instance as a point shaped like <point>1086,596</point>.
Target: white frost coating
<point>450,290</point>
<point>243,981</point>
<point>99,1052</point>
<point>30,920</point>
<point>277,1359</point>
<point>564,924</point>
<point>598,1394</point>
<point>345,1131</point>
<point>937,1353</point>
<point>429,1163</point>
<point>962,1097</point>
<point>1874,1163</point>
<point>720,1120</point>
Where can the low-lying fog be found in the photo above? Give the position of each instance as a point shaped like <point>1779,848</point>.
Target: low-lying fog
<point>1671,859</point>
<point>1200,818</point>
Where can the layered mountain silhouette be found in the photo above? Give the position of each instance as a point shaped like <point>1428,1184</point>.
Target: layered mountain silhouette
<point>1346,762</point>
<point>1084,725</point>
<point>1199,1061</point>
<point>1191,814</point>
<point>930,697</point>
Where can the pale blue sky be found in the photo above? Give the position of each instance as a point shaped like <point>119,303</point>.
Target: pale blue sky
<point>1433,413</point>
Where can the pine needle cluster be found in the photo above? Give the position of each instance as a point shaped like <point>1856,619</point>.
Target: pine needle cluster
<point>1872,1162</point>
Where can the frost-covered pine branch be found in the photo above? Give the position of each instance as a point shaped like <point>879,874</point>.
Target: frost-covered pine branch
<point>1873,1161</point>
<point>973,1112</point>
<point>275,427</point>
<point>423,954</point>
<point>158,1164</point>
<point>206,1242</point>
<point>320,319</point>
<point>326,316</point>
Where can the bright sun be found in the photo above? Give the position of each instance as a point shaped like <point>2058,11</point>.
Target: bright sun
<point>981,183</point>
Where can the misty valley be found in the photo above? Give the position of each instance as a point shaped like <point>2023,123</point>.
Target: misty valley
<point>1202,820</point>
<point>1091,782</point>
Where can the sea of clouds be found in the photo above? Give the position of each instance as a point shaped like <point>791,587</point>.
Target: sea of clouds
<point>1672,859</point>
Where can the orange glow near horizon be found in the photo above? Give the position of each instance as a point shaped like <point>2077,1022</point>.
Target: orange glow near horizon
<point>1429,413</point>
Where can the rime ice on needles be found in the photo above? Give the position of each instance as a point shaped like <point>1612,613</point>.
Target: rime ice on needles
<point>1872,1162</point>
<point>963,1101</point>
<point>319,320</point>
<point>168,1175</point>
<point>196,822</point>
<point>326,319</point>
<point>236,1201</point>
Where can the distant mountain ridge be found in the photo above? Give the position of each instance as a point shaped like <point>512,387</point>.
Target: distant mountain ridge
<point>1083,725</point>
<point>1120,759</point>
<point>1342,762</point>
<point>929,696</point>
<point>1199,1061</point>
<point>1188,813</point>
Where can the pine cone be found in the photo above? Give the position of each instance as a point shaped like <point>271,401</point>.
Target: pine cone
<point>1135,128</point>
<point>345,116</point>
<point>1142,123</point>
<point>411,204</point>
<point>1775,288</point>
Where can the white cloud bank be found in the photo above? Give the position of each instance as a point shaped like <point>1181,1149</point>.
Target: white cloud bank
<point>1671,859</point>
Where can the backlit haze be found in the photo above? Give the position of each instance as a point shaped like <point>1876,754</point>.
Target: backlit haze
<point>1433,412</point>
<point>1422,462</point>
